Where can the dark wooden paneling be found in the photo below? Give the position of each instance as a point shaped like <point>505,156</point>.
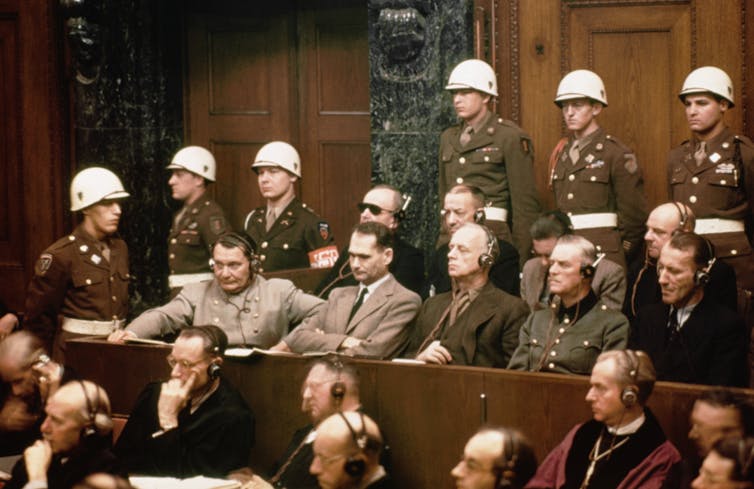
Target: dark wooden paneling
<point>425,412</point>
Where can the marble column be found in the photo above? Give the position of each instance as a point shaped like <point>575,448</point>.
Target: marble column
<point>413,46</point>
<point>128,117</point>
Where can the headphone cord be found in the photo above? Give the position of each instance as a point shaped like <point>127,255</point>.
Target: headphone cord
<point>635,288</point>
<point>342,275</point>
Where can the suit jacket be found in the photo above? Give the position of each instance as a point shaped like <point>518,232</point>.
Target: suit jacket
<point>710,348</point>
<point>608,284</point>
<point>490,327</point>
<point>381,322</point>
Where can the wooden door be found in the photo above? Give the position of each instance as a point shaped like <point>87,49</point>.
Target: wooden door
<point>642,51</point>
<point>292,72</point>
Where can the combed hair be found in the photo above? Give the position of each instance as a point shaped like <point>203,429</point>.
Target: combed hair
<point>214,339</point>
<point>741,452</point>
<point>552,224</point>
<point>645,376</point>
<point>337,365</point>
<point>701,249</point>
<point>524,459</point>
<point>477,195</point>
<point>726,398</point>
<point>588,251</point>
<point>380,232</point>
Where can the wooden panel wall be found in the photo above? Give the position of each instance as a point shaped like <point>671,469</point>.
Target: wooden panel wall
<point>31,141</point>
<point>643,50</point>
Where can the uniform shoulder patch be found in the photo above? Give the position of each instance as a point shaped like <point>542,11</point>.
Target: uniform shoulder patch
<point>745,140</point>
<point>525,145</point>
<point>324,230</point>
<point>630,164</point>
<point>43,264</point>
<point>217,224</point>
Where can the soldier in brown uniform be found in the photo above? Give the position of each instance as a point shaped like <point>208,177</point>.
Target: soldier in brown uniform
<point>595,177</point>
<point>490,153</point>
<point>80,283</point>
<point>713,172</point>
<point>287,233</point>
<point>199,223</point>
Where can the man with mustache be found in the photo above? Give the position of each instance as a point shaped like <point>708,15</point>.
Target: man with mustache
<point>83,277</point>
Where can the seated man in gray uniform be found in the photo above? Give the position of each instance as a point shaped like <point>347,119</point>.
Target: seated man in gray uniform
<point>252,310</point>
<point>370,319</point>
<point>475,323</point>
<point>569,335</point>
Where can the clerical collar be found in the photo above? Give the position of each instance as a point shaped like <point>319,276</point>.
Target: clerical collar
<point>579,309</point>
<point>629,428</point>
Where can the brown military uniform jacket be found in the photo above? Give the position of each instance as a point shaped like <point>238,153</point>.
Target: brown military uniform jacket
<point>606,178</point>
<point>191,238</point>
<point>499,160</point>
<point>73,279</point>
<point>721,187</point>
<point>296,232</point>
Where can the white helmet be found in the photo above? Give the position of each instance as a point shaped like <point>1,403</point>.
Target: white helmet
<point>195,159</point>
<point>278,153</point>
<point>581,84</point>
<point>94,185</point>
<point>708,79</point>
<point>473,74</point>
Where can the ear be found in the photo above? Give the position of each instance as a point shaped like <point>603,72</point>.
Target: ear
<point>387,256</point>
<point>218,360</point>
<point>596,109</point>
<point>724,105</point>
<point>486,98</point>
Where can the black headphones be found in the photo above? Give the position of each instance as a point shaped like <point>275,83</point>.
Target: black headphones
<point>236,240</point>
<point>338,388</point>
<point>489,257</point>
<point>479,216</point>
<point>701,276</point>
<point>588,270</point>
<point>682,214</point>
<point>400,214</point>
<point>356,465</point>
<point>213,369</point>
<point>89,430</point>
<point>505,465</point>
<point>630,394</point>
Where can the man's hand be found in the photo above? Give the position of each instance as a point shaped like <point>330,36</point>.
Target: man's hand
<point>349,342</point>
<point>15,416</point>
<point>120,335</point>
<point>173,397</point>
<point>37,458</point>
<point>281,346</point>
<point>48,375</point>
<point>435,353</point>
<point>7,324</point>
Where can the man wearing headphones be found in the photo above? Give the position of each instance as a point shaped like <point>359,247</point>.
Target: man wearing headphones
<point>609,282</point>
<point>569,335</point>
<point>495,458</point>
<point>465,203</point>
<point>369,320</point>
<point>76,439</point>
<point>196,423</point>
<point>690,336</point>
<point>623,445</point>
<point>476,323</point>
<point>643,288</point>
<point>383,204</point>
<point>29,378</point>
<point>347,453</point>
<point>252,310</point>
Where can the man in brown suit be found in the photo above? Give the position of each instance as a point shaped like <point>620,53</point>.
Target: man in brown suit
<point>82,277</point>
<point>595,178</point>
<point>369,319</point>
<point>475,323</point>
<point>198,224</point>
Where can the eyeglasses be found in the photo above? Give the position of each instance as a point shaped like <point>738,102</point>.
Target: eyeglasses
<point>184,364</point>
<point>374,209</point>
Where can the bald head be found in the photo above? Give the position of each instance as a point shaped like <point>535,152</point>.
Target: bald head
<point>663,221</point>
<point>18,353</point>
<point>73,407</point>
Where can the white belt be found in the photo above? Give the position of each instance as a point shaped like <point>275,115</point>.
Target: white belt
<point>596,220</point>
<point>716,226</point>
<point>496,214</point>
<point>90,326</point>
<point>179,280</point>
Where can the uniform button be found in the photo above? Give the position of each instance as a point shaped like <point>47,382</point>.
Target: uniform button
<point>486,158</point>
<point>733,252</point>
<point>115,299</point>
<point>593,179</point>
<point>561,330</point>
<point>115,318</point>
<point>256,315</point>
<point>112,279</point>
<point>216,320</point>
<point>570,196</point>
<point>172,256</point>
<point>599,247</point>
<point>534,341</point>
<point>215,302</point>
<point>586,343</point>
<point>262,257</point>
<point>256,299</point>
<point>571,177</point>
<point>71,238</point>
<point>459,180</point>
<point>604,307</point>
<point>88,281</point>
<point>553,353</point>
<point>265,245</point>
<point>695,180</point>
<point>285,246</point>
<point>256,331</point>
<point>567,321</point>
<point>173,241</point>
<point>726,145</point>
<point>261,270</point>
<point>557,341</point>
<point>723,182</point>
<point>462,160</point>
<point>692,199</point>
<point>550,365</point>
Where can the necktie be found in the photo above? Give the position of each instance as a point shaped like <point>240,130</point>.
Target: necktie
<point>466,135</point>
<point>700,155</point>
<point>271,216</point>
<point>357,304</point>
<point>574,153</point>
<point>459,305</point>
<point>105,251</point>
<point>673,327</point>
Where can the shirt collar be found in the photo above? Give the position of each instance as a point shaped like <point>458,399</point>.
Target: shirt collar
<point>373,286</point>
<point>628,429</point>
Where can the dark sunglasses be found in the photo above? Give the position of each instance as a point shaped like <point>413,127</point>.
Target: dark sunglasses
<point>374,209</point>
